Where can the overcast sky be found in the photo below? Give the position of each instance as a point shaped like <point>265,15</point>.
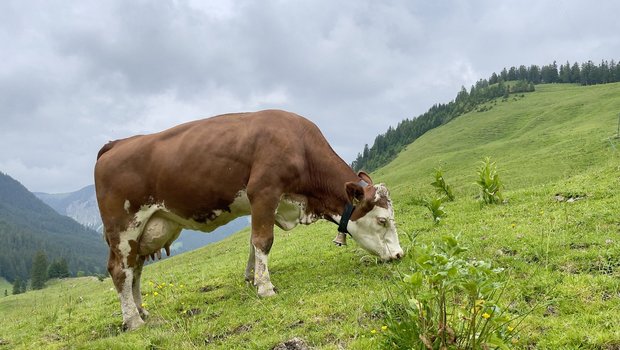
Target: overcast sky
<point>77,75</point>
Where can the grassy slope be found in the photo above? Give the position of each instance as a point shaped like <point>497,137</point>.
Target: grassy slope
<point>4,284</point>
<point>563,257</point>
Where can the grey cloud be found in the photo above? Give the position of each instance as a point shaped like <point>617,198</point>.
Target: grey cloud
<point>75,76</point>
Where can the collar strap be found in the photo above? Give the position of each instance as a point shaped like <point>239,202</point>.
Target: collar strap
<point>344,220</point>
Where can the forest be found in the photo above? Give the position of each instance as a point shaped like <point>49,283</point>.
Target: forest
<point>28,226</point>
<point>509,81</point>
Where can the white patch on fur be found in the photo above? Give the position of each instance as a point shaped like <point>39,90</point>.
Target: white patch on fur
<point>374,237</point>
<point>262,279</point>
<point>292,211</point>
<point>127,206</point>
<point>154,226</point>
<point>131,316</point>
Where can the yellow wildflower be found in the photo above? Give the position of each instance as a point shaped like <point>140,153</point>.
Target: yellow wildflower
<point>181,286</point>
<point>383,328</point>
<point>171,285</point>
<point>143,305</point>
<point>155,294</point>
<point>373,331</point>
<point>486,315</point>
<point>514,225</point>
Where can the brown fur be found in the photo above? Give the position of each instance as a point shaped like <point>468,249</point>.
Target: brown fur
<point>198,167</point>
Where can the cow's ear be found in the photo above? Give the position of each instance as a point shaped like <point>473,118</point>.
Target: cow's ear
<point>362,175</point>
<point>355,192</point>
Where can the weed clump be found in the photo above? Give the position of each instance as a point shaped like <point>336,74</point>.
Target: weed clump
<point>441,186</point>
<point>489,183</point>
<point>448,302</point>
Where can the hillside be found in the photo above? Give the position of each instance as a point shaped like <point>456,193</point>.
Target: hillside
<point>80,205</point>
<point>561,259</point>
<point>556,132</point>
<point>28,225</point>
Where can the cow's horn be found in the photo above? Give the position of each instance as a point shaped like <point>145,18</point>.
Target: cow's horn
<point>340,240</point>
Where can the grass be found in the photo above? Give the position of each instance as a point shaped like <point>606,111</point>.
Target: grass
<point>562,258</point>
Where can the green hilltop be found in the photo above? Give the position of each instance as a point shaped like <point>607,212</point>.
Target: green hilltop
<point>561,259</point>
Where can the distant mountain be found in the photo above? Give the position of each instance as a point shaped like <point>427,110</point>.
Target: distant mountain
<point>82,206</point>
<point>28,225</point>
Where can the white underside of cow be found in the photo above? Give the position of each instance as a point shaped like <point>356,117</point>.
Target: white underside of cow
<point>155,226</point>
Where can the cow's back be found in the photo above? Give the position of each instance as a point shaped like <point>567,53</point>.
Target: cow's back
<point>201,166</point>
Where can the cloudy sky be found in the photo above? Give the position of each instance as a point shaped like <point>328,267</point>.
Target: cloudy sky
<point>76,75</point>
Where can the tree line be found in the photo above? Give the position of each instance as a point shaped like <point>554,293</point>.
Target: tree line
<point>509,81</point>
<point>27,226</point>
<point>41,272</point>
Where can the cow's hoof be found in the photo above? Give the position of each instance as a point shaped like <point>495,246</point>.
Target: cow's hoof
<point>266,291</point>
<point>143,313</point>
<point>133,324</point>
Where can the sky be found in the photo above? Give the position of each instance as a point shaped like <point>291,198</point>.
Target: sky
<point>77,75</point>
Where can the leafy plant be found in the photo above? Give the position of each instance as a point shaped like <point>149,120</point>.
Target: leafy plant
<point>489,183</point>
<point>440,185</point>
<point>434,205</point>
<point>448,302</point>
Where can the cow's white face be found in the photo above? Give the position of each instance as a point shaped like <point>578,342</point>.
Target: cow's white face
<point>375,231</point>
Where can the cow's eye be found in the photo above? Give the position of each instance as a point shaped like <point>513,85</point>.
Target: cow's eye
<point>382,221</point>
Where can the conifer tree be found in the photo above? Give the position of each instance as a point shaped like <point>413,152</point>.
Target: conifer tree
<point>38,276</point>
<point>17,286</point>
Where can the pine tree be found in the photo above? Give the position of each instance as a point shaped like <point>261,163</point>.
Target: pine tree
<point>575,73</point>
<point>39,271</point>
<point>63,268</point>
<point>17,286</point>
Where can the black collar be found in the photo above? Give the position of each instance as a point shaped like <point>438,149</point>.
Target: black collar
<point>344,220</point>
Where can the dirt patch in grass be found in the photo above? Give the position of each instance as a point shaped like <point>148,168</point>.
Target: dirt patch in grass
<point>292,344</point>
<point>244,328</point>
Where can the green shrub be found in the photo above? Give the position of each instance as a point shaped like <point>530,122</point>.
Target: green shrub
<point>489,183</point>
<point>440,185</point>
<point>447,302</point>
<point>434,205</point>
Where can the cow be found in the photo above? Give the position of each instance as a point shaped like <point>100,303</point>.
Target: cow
<point>273,165</point>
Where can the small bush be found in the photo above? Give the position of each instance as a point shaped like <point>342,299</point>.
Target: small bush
<point>434,205</point>
<point>448,302</point>
<point>440,185</point>
<point>489,183</point>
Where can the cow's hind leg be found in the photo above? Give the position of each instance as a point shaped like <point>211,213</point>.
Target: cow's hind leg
<point>121,265</point>
<point>137,294</point>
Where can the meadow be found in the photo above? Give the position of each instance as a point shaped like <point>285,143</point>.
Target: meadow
<point>561,257</point>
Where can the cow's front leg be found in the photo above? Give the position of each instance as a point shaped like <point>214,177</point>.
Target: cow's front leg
<point>264,205</point>
<point>249,269</point>
<point>262,281</point>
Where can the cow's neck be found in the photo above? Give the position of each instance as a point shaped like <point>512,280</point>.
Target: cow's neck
<point>329,176</point>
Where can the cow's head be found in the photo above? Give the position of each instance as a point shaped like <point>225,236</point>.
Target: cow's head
<point>372,223</point>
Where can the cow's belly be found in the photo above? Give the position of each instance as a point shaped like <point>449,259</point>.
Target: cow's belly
<point>160,226</point>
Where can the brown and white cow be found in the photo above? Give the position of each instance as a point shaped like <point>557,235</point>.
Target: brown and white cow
<point>274,165</point>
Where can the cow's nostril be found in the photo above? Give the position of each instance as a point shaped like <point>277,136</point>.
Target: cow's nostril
<point>399,255</point>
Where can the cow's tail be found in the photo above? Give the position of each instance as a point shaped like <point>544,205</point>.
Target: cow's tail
<point>108,146</point>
